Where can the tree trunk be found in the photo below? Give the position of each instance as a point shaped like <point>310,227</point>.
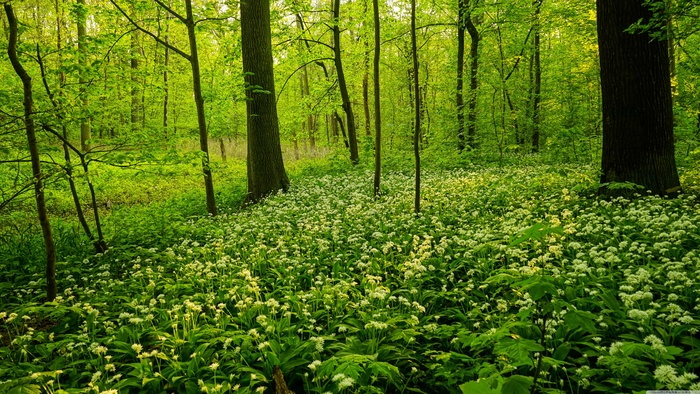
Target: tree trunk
<point>365,79</point>
<point>416,89</point>
<point>135,82</point>
<point>266,172</point>
<point>199,103</point>
<point>636,93</point>
<point>538,80</point>
<point>473,79</point>
<point>377,102</point>
<point>34,153</point>
<point>347,106</point>
<point>304,83</point>
<point>166,64</point>
<point>461,26</point>
<point>85,132</point>
<point>310,118</point>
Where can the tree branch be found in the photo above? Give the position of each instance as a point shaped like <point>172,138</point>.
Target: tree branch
<point>222,18</point>
<point>160,41</point>
<point>295,71</point>
<point>171,11</point>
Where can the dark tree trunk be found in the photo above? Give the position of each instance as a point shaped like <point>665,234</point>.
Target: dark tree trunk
<point>416,89</point>
<point>462,14</point>
<point>34,153</point>
<point>342,85</point>
<point>377,102</point>
<point>266,172</point>
<point>473,81</point>
<point>199,103</point>
<point>636,92</point>
<point>538,80</point>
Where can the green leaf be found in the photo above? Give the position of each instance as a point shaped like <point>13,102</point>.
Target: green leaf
<point>25,389</point>
<point>518,350</point>
<point>575,319</point>
<point>539,288</point>
<point>517,384</point>
<point>561,352</point>
<point>535,232</point>
<point>481,387</point>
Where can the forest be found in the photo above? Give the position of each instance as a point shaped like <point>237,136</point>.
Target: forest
<point>349,196</point>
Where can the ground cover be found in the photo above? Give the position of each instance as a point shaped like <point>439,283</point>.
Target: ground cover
<point>514,279</point>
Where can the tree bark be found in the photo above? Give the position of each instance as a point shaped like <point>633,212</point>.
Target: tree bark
<point>636,91</point>
<point>377,102</point>
<point>266,172</point>
<point>342,85</point>
<point>199,103</point>
<point>34,153</point>
<point>416,89</point>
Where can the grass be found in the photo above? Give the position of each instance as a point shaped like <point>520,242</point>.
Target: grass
<point>513,279</point>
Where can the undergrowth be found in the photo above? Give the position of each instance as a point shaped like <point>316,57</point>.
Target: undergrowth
<point>511,280</point>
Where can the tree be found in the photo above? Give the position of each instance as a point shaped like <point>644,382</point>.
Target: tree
<point>636,91</point>
<point>537,76</point>
<point>377,103</point>
<point>193,58</point>
<point>266,172</point>
<point>416,89</point>
<point>461,28</point>
<point>85,131</point>
<point>34,153</point>
<point>342,85</point>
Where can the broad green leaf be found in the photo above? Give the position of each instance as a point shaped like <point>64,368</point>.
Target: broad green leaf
<point>575,319</point>
<point>481,387</point>
<point>519,350</point>
<point>517,384</point>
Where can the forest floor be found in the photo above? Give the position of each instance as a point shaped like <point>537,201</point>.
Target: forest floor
<point>511,278</point>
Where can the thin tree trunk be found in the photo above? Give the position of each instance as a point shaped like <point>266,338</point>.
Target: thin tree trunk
<point>222,147</point>
<point>473,80</point>
<point>538,80</point>
<point>310,118</point>
<point>166,83</point>
<point>377,102</point>
<point>34,153</point>
<point>199,103</point>
<point>135,82</point>
<point>304,83</point>
<point>365,78</point>
<point>85,132</point>
<point>461,25</point>
<point>416,89</point>
<point>342,85</point>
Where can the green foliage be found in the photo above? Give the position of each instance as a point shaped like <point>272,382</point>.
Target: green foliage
<point>510,281</point>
